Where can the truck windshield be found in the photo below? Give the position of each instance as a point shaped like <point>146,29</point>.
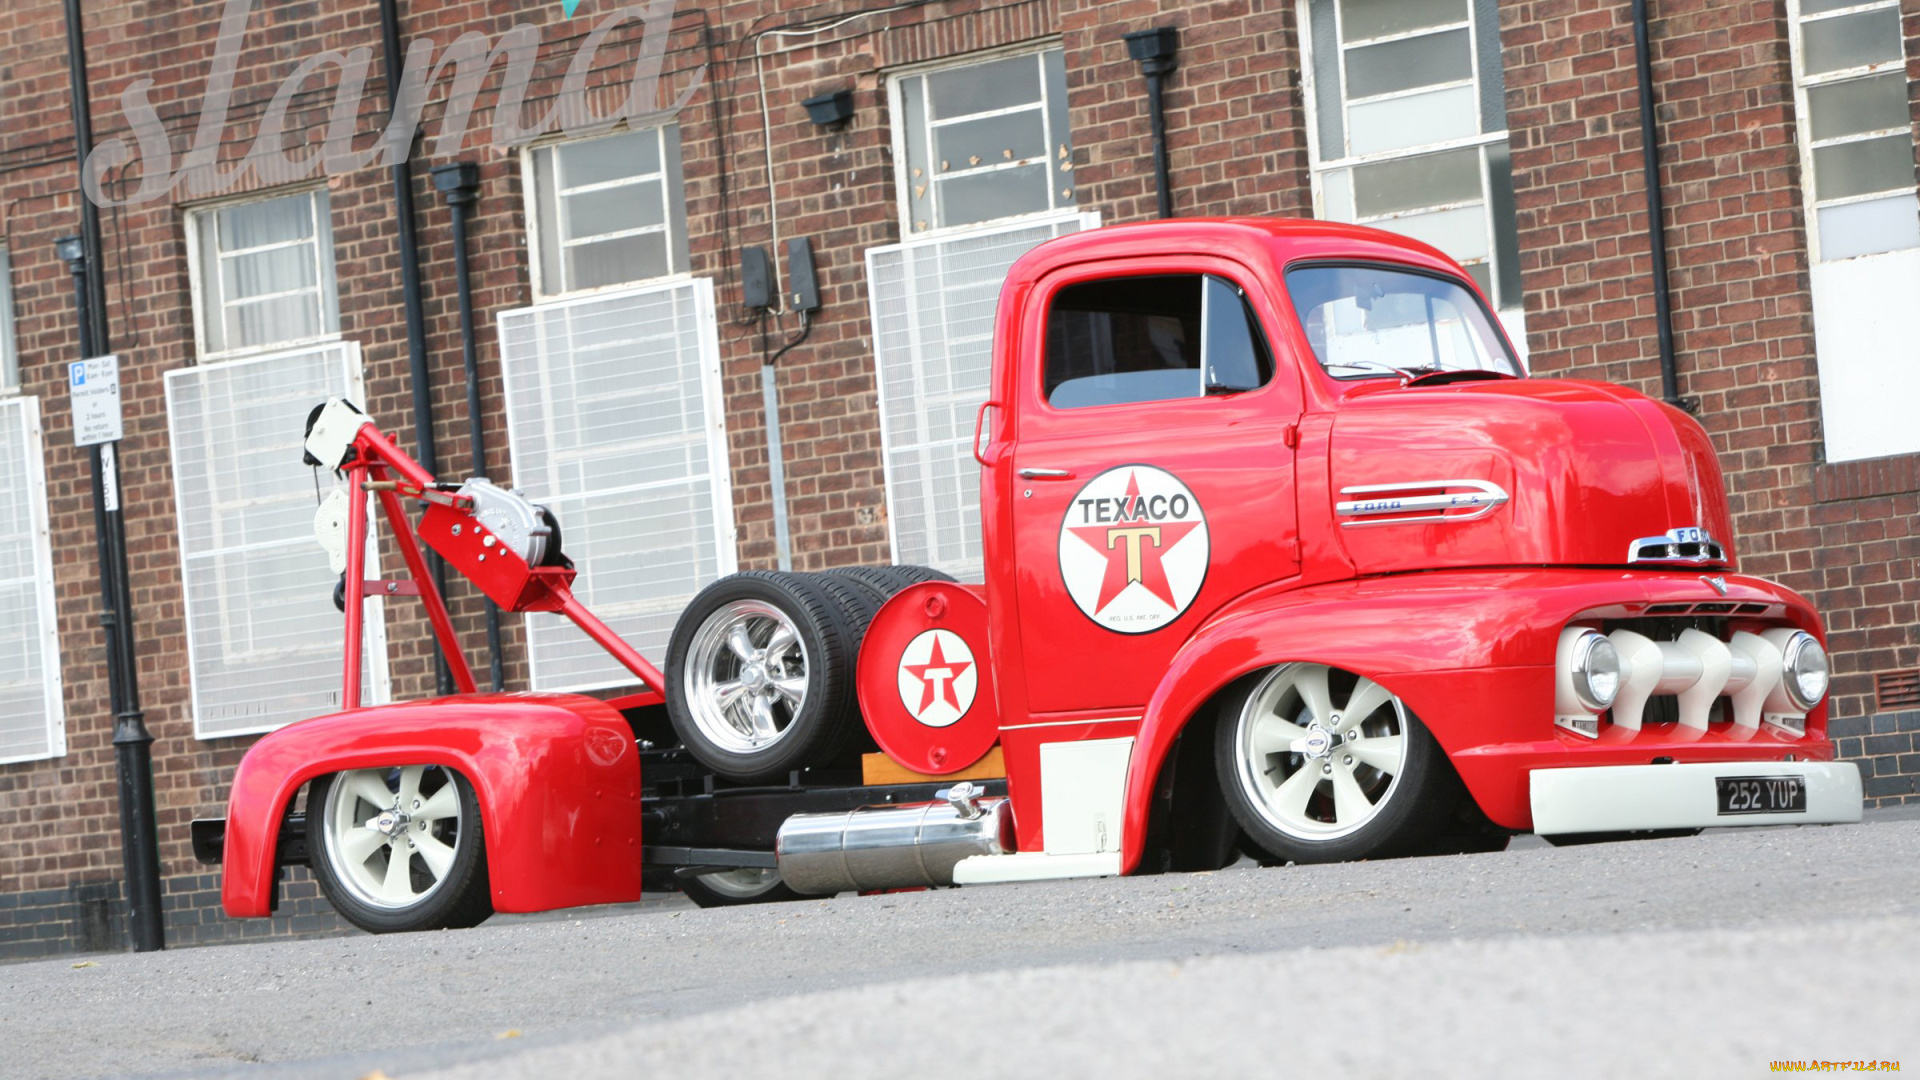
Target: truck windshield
<point>1371,321</point>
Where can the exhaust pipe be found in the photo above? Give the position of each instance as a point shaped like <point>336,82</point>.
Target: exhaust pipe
<point>891,847</point>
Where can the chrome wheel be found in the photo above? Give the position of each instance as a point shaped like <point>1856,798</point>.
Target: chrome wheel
<point>746,676</point>
<point>743,884</point>
<point>390,835</point>
<point>1312,769</point>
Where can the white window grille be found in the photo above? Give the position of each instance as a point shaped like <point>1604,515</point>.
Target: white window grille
<point>933,301</point>
<point>264,642</point>
<point>32,716</point>
<point>616,423</point>
<point>263,273</point>
<point>1863,221</point>
<point>9,350</point>
<point>1409,131</point>
<point>607,211</point>
<point>982,141</point>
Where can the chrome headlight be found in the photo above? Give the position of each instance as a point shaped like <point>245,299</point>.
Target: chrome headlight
<point>1805,671</point>
<point>1595,668</point>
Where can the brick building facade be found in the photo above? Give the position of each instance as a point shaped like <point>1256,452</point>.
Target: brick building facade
<point>233,309</point>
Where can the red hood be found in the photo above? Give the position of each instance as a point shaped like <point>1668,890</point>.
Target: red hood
<point>1587,469</point>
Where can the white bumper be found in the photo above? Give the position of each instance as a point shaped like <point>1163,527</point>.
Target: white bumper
<point>1612,798</point>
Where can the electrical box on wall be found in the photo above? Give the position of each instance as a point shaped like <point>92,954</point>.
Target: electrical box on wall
<point>803,286</point>
<point>756,278</point>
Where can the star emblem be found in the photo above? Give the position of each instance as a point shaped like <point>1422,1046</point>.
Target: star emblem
<point>938,674</point>
<point>1134,549</point>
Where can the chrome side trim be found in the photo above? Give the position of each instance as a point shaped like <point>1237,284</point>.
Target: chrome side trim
<point>1481,498</point>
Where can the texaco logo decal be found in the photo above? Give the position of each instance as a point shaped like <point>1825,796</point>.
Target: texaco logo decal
<point>938,678</point>
<point>1133,548</point>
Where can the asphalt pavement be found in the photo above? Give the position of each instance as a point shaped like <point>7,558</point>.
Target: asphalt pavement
<point>1706,956</point>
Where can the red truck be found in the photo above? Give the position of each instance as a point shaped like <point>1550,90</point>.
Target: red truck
<point>1284,555</point>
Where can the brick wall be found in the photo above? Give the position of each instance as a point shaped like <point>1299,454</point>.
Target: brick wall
<point>1237,145</point>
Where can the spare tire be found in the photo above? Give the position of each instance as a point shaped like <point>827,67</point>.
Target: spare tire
<point>760,674</point>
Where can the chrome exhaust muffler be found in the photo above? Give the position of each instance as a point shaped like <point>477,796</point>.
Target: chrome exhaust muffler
<point>892,847</point>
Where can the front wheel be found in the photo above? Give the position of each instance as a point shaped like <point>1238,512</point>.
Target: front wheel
<point>399,849</point>
<point>1320,765</point>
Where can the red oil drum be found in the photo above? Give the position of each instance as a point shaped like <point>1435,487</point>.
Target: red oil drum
<point>925,687</point>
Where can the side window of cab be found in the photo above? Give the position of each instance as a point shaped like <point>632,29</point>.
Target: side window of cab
<point>1126,340</point>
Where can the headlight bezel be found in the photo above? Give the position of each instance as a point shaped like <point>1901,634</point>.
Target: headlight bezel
<point>1801,648</point>
<point>1595,662</point>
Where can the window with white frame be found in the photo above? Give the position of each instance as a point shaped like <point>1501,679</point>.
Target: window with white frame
<point>264,642</point>
<point>264,273</point>
<point>984,140</point>
<point>608,211</point>
<point>1409,130</point>
<point>985,174</point>
<point>1863,221</point>
<point>32,713</point>
<point>615,419</point>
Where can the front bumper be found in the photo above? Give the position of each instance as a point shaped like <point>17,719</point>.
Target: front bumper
<point>1617,798</point>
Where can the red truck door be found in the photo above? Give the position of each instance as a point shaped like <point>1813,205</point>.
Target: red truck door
<point>1153,478</point>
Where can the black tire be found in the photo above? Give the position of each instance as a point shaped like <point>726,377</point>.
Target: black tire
<point>1414,807</point>
<point>857,603</point>
<point>458,898</point>
<point>918,574</point>
<point>1582,839</point>
<point>817,728</point>
<point>716,890</point>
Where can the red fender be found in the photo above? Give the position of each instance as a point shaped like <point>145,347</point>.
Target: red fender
<point>557,777</point>
<point>1470,652</point>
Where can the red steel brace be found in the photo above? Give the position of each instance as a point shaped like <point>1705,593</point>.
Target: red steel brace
<point>450,528</point>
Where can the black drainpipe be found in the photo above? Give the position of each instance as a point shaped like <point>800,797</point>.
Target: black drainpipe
<point>1656,212</point>
<point>460,183</point>
<point>1155,50</point>
<point>132,741</point>
<point>404,225</point>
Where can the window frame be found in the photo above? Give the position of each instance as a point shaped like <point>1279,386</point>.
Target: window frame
<point>1487,312</point>
<point>377,686</point>
<point>1262,342</point>
<point>902,166</point>
<point>326,282</point>
<point>34,442</point>
<point>719,480</point>
<point>673,187</point>
<point>1804,143</point>
<point>1321,166</point>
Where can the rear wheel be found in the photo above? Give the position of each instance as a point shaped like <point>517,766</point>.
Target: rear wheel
<point>1320,765</point>
<point>733,888</point>
<point>762,668</point>
<point>399,848</point>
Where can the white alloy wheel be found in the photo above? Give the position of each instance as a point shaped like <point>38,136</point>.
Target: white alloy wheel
<point>746,883</point>
<point>390,835</point>
<point>1312,769</point>
<point>746,676</point>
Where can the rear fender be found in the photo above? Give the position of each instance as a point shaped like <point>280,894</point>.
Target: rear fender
<point>557,777</point>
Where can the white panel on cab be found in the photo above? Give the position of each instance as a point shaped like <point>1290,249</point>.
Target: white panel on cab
<point>1866,333</point>
<point>1082,788</point>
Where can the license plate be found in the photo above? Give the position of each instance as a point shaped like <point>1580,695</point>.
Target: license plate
<point>1762,794</point>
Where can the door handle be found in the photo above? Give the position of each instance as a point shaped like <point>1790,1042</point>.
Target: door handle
<point>1046,474</point>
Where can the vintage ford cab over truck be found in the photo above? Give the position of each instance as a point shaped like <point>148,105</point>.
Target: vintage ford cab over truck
<point>1283,553</point>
